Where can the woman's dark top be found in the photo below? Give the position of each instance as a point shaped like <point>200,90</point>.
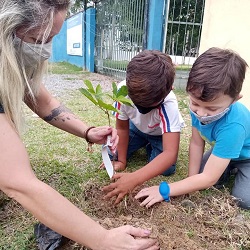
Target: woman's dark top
<point>1,108</point>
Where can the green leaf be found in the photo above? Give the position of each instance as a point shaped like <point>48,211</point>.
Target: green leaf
<point>89,86</point>
<point>98,89</point>
<point>99,94</point>
<point>88,95</point>
<point>117,111</point>
<point>122,91</point>
<point>99,98</point>
<point>106,106</point>
<point>124,100</point>
<point>114,86</point>
<point>111,96</point>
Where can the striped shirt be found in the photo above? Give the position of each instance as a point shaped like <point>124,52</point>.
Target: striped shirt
<point>163,119</point>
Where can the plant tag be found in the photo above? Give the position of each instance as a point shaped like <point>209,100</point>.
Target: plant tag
<point>105,157</point>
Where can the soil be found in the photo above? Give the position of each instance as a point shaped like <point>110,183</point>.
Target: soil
<point>189,222</point>
<point>203,220</point>
<point>198,221</point>
<point>60,84</point>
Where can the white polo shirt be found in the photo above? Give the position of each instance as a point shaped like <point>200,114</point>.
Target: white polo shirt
<point>165,118</point>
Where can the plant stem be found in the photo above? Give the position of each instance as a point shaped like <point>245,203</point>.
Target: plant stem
<point>106,111</point>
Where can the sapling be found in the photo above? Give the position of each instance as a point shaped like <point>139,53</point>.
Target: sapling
<point>99,98</point>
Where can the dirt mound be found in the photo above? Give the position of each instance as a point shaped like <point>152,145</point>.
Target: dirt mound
<point>192,222</point>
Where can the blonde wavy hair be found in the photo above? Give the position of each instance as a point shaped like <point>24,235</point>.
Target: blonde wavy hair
<point>18,81</point>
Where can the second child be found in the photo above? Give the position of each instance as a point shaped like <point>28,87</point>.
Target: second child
<point>154,122</point>
<point>214,86</point>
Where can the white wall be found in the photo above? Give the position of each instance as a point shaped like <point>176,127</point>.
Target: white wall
<point>227,25</point>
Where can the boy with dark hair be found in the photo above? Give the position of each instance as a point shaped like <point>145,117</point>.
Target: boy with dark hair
<point>214,86</point>
<point>153,122</point>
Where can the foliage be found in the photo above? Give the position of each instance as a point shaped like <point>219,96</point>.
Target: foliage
<point>97,96</point>
<point>120,24</point>
<point>78,5</point>
<point>123,16</point>
<point>184,27</point>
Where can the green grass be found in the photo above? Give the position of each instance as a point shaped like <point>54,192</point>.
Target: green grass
<point>183,67</point>
<point>65,68</point>
<point>121,65</point>
<point>62,161</point>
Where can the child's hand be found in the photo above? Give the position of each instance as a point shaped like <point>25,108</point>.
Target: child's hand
<point>125,183</point>
<point>152,195</point>
<point>118,166</point>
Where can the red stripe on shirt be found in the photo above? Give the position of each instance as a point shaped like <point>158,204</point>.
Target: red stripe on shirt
<point>117,107</point>
<point>156,125</point>
<point>163,120</point>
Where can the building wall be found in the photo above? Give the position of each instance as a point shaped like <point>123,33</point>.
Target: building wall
<point>59,45</point>
<point>226,24</point>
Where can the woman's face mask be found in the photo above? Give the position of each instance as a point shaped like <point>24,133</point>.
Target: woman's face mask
<point>33,53</point>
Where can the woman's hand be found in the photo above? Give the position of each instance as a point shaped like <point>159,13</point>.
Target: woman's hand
<point>128,238</point>
<point>99,135</point>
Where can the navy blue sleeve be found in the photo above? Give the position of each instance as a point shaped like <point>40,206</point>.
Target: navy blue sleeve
<point>1,108</point>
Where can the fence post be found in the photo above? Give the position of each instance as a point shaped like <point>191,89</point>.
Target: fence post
<point>155,24</point>
<point>90,39</point>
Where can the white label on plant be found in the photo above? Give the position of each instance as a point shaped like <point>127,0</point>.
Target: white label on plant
<point>106,160</point>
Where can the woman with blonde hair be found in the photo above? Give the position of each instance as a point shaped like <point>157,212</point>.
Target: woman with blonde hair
<point>26,31</point>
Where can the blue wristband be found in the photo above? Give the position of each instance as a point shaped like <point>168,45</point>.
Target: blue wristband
<point>164,190</point>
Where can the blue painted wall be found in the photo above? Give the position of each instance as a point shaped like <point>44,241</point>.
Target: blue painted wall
<point>155,27</point>
<point>86,61</point>
<point>90,39</point>
<point>59,46</point>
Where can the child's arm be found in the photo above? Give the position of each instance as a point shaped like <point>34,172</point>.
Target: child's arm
<point>196,150</point>
<point>214,168</point>
<point>122,127</point>
<point>126,182</point>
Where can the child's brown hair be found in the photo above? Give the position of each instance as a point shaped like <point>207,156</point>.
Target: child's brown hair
<point>214,72</point>
<point>150,77</point>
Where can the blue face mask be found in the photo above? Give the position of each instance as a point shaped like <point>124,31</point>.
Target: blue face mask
<point>144,110</point>
<point>210,118</point>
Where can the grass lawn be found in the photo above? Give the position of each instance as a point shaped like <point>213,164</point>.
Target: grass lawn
<point>212,221</point>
